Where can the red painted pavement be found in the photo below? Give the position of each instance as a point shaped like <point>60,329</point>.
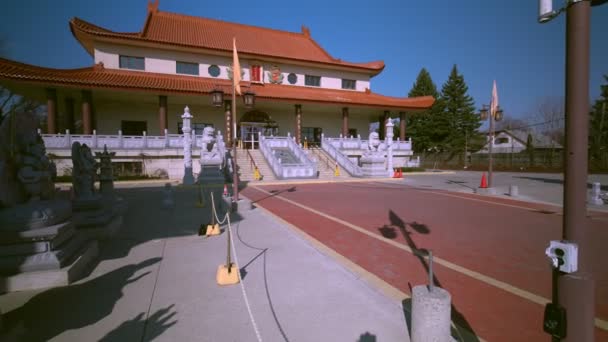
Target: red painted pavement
<point>503,242</point>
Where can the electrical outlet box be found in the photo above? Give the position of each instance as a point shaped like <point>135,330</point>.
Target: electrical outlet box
<point>563,255</point>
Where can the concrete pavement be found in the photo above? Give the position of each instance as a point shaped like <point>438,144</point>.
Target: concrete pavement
<point>536,187</point>
<point>156,281</point>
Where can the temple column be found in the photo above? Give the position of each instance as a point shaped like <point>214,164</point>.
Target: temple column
<point>402,118</point>
<point>344,121</point>
<point>162,113</point>
<point>382,124</point>
<point>87,122</point>
<point>228,122</point>
<point>298,133</point>
<point>69,114</point>
<point>51,111</point>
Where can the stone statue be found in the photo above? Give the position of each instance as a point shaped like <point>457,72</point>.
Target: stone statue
<point>106,172</point>
<point>208,139</point>
<point>83,171</point>
<point>36,229</point>
<point>26,178</point>
<point>373,141</point>
<point>211,160</point>
<point>26,173</point>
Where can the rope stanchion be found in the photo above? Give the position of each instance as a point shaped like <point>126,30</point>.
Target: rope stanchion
<point>213,228</point>
<point>229,273</point>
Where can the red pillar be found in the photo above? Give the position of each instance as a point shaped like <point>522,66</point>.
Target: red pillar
<point>344,121</point>
<point>298,133</point>
<point>87,122</point>
<point>51,111</point>
<point>402,118</point>
<point>162,113</point>
<point>69,114</point>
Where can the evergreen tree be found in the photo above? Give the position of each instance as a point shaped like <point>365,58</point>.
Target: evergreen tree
<point>598,128</point>
<point>419,124</point>
<point>458,122</point>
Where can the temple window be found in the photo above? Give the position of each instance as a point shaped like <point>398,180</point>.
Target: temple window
<point>313,81</point>
<point>349,84</point>
<point>256,73</point>
<point>186,68</point>
<point>130,62</point>
<point>214,70</point>
<point>292,78</point>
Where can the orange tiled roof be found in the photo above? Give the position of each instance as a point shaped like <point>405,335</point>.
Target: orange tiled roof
<point>100,77</point>
<point>188,31</point>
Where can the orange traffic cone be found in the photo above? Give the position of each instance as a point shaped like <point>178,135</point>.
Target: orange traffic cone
<point>225,190</point>
<point>484,182</point>
<point>400,173</point>
<point>395,173</point>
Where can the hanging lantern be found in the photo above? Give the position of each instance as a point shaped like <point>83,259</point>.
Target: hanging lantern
<point>217,97</point>
<point>249,99</point>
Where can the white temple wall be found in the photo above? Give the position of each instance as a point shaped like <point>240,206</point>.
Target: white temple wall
<point>164,61</point>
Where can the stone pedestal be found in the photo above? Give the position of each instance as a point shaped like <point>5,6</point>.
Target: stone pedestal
<point>431,314</point>
<point>372,165</point>
<point>98,217</point>
<point>49,252</point>
<point>211,174</point>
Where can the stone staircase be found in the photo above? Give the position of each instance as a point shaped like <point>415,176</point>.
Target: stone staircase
<point>326,165</point>
<point>245,169</point>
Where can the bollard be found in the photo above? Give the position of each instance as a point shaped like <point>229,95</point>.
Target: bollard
<point>596,192</point>
<point>431,312</point>
<point>513,191</point>
<point>431,308</point>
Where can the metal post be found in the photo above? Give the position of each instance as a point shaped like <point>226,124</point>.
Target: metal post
<point>576,290</point>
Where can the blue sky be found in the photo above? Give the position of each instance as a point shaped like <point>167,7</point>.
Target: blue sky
<point>487,39</point>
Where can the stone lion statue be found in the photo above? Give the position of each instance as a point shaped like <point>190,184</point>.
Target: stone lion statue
<point>208,139</point>
<point>373,141</point>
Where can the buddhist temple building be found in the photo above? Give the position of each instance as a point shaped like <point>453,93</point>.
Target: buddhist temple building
<point>141,81</point>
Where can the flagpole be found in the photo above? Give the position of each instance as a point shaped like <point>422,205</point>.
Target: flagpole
<point>235,176</point>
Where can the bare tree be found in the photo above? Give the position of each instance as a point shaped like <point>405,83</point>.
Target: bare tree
<point>549,115</point>
<point>548,120</point>
<point>10,102</point>
<point>511,124</point>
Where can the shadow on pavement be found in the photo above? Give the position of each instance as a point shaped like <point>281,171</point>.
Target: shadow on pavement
<point>152,327</point>
<point>367,337</point>
<point>275,193</point>
<point>263,252</point>
<point>460,327</point>
<point>59,309</point>
<point>461,183</point>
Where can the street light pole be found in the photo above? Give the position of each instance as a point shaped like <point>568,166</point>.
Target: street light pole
<point>576,290</point>
<point>492,115</point>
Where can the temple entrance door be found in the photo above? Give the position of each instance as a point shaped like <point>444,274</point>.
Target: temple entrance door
<point>250,134</point>
<point>252,124</point>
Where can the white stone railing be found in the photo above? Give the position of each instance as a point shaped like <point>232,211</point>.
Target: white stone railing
<point>119,141</point>
<point>306,168</point>
<point>327,144</point>
<point>351,143</point>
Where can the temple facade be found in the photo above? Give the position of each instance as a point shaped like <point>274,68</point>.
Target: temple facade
<point>141,82</point>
